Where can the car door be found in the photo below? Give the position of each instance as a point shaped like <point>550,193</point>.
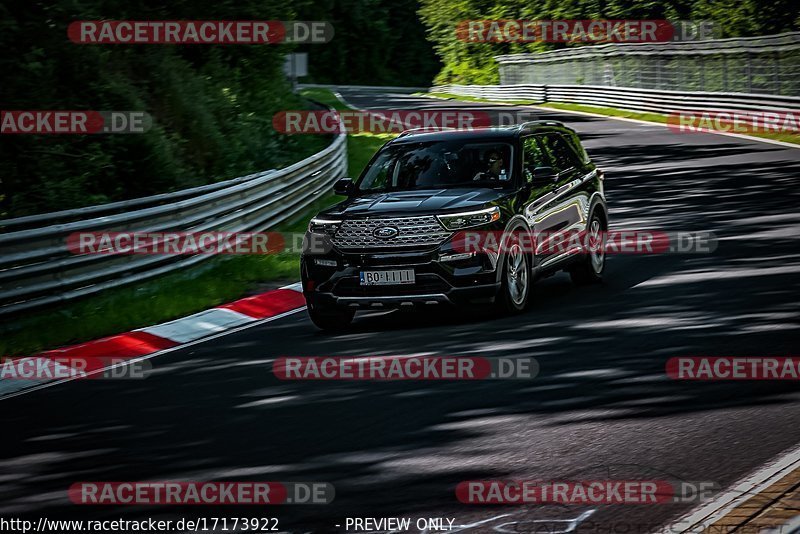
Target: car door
<point>555,211</point>
<point>537,193</point>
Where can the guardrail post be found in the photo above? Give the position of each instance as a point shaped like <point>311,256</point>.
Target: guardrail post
<point>776,78</point>
<point>640,66</point>
<point>658,73</point>
<point>702,73</point>
<point>724,73</point>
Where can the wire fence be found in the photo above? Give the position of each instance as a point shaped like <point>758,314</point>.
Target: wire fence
<point>761,65</point>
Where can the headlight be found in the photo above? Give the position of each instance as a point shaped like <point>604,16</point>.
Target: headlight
<point>468,219</point>
<point>320,225</point>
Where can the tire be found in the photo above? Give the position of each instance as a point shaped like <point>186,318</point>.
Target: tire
<point>516,279</point>
<point>330,319</point>
<point>589,270</point>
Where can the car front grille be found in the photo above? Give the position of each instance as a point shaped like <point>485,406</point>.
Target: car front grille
<point>411,231</point>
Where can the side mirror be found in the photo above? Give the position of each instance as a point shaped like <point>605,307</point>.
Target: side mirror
<point>343,186</point>
<point>544,176</point>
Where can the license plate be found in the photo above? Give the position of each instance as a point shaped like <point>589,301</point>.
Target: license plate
<point>387,278</point>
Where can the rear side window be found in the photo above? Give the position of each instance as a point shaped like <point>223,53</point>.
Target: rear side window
<point>577,147</point>
<point>533,157</point>
<point>562,155</point>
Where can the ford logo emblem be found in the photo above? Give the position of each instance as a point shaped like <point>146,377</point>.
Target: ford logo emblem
<point>386,232</point>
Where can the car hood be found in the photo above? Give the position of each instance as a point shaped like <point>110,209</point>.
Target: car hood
<point>417,202</point>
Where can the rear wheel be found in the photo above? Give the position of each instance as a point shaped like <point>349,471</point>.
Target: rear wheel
<point>516,281</point>
<point>330,319</point>
<point>590,269</point>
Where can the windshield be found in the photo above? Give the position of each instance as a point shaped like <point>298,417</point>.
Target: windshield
<point>439,164</point>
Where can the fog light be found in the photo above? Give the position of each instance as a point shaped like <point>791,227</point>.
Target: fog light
<point>457,257</point>
<point>325,263</point>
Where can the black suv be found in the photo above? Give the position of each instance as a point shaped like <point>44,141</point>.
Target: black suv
<point>394,242</point>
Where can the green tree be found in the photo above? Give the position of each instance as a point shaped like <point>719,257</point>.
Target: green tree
<point>474,62</point>
<point>211,105</point>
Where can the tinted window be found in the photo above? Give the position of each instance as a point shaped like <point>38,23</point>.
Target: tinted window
<point>439,164</point>
<point>533,156</point>
<point>561,154</point>
<point>577,147</point>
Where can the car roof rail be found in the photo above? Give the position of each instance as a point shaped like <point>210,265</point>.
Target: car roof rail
<point>424,129</point>
<point>528,124</point>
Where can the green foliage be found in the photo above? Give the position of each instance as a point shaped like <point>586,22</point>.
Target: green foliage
<point>211,105</point>
<point>361,146</point>
<point>473,63</point>
<point>220,279</point>
<point>377,42</point>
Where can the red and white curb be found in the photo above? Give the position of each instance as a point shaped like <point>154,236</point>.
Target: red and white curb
<point>145,342</point>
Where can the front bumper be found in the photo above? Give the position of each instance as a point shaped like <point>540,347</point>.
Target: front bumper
<point>466,281</point>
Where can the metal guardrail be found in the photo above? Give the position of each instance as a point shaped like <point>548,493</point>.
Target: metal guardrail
<point>525,92</point>
<point>768,64</point>
<point>627,98</point>
<point>37,269</point>
<point>41,219</point>
<point>736,45</point>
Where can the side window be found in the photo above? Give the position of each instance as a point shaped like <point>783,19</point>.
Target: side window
<point>532,157</point>
<point>575,142</point>
<point>561,154</point>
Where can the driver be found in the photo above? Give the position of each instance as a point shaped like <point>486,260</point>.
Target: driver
<point>494,167</point>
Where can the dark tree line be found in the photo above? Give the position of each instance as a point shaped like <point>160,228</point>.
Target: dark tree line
<point>212,105</point>
<point>377,42</point>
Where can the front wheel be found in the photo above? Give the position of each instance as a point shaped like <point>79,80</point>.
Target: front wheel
<point>590,269</point>
<point>330,319</point>
<point>516,281</point>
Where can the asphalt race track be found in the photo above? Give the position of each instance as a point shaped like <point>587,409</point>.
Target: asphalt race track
<point>601,408</point>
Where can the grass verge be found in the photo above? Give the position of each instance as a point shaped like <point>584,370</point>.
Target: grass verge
<point>611,112</point>
<point>216,281</point>
<point>477,99</point>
